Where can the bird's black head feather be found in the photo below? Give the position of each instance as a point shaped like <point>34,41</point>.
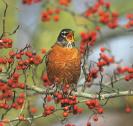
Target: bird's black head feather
<point>63,35</point>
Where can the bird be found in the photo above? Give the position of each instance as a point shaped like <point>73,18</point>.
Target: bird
<point>63,61</point>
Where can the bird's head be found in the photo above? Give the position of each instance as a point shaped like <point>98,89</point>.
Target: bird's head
<point>66,37</point>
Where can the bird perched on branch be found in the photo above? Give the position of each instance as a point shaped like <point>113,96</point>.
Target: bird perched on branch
<point>63,60</point>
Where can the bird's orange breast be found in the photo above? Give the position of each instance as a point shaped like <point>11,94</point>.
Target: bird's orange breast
<point>63,63</point>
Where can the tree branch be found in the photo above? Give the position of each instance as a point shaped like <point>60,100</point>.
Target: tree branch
<point>89,95</point>
<point>106,95</point>
<point>4,20</point>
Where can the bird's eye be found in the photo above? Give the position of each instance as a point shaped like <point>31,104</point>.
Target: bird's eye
<point>64,33</point>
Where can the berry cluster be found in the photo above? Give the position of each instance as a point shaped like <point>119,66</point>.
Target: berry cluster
<point>95,105</point>
<point>104,59</point>
<point>48,110</point>
<point>72,109</point>
<point>7,95</point>
<point>69,103</point>
<point>96,7</point>
<point>130,21</point>
<point>6,43</point>
<point>25,59</point>
<point>3,60</point>
<point>49,14</point>
<point>111,20</point>
<point>65,101</point>
<point>87,39</point>
<point>122,70</point>
<point>101,9</point>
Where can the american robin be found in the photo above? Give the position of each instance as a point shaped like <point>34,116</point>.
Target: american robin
<point>63,59</point>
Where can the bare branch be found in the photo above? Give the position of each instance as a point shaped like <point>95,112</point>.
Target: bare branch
<point>4,20</point>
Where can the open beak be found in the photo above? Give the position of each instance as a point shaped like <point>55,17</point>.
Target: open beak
<point>70,37</point>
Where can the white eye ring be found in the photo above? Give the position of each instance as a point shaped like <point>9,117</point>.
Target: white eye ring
<point>64,32</point>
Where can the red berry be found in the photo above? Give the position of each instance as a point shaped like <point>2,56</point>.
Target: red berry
<point>33,110</point>
<point>95,118</point>
<point>100,110</point>
<point>128,109</point>
<point>102,49</point>
<point>88,124</point>
<point>56,18</point>
<point>43,51</point>
<point>65,114</point>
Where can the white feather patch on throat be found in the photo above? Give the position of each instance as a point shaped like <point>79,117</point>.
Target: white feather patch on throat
<point>69,45</point>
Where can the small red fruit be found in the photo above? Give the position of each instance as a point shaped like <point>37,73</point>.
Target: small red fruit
<point>128,109</point>
<point>65,114</point>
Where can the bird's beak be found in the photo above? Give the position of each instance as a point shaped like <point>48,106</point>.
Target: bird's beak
<point>70,37</point>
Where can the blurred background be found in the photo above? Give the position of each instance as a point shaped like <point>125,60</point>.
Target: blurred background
<point>43,35</point>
